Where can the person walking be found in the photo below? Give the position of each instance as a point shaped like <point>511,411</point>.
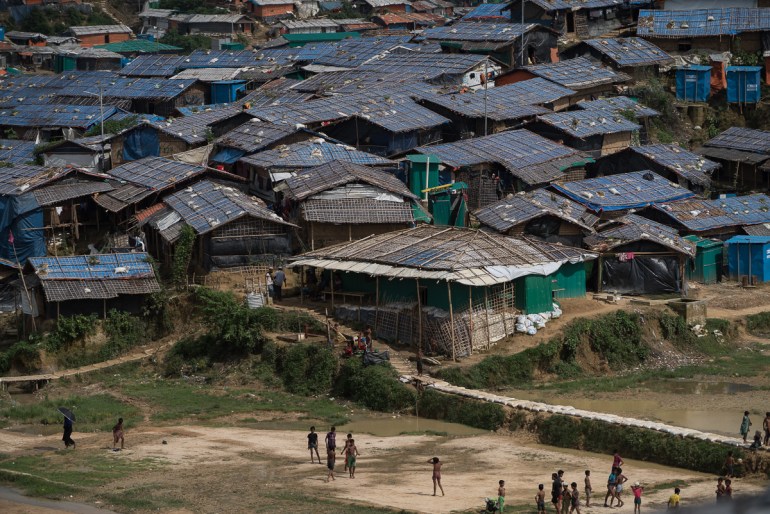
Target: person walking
<point>331,439</point>
<point>620,479</point>
<point>419,362</point>
<point>269,284</point>
<point>745,425</point>
<point>117,435</point>
<point>766,426</point>
<point>67,437</point>
<point>279,279</point>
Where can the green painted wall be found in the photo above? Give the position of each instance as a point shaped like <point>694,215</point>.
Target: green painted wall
<point>572,279</point>
<point>533,294</point>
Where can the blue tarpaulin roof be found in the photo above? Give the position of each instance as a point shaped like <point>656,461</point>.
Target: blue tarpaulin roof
<point>156,65</point>
<point>621,192</point>
<point>728,21</point>
<point>487,11</point>
<point>762,240</point>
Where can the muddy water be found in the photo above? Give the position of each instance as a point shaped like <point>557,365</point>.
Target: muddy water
<point>671,407</point>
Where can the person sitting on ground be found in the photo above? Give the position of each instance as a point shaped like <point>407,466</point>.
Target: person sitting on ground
<point>117,435</point>
<point>349,349</point>
<point>757,444</point>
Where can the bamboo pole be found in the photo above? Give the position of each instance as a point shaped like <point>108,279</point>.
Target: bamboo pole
<point>419,315</point>
<point>331,271</point>
<point>452,319</point>
<point>376,301</point>
<point>486,314</point>
<point>470,315</point>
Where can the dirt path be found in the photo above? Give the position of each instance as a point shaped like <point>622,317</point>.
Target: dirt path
<point>392,471</point>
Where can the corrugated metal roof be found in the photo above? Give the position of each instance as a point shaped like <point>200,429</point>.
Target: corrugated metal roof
<point>239,58</point>
<point>633,190</point>
<point>430,66</point>
<point>744,139</point>
<point>307,183</point>
<point>308,154</point>
<point>618,105</point>
<point>588,123</point>
<point>630,51</point>
<point>467,256</point>
<point>634,228</point>
<point>700,215</point>
<point>54,115</point>
<point>684,163</point>
<point>487,11</point>
<point>762,229</point>
<point>88,30</point>
<point>473,105</point>
<point>308,24</point>
<point>350,53</point>
<point>255,135</point>
<point>518,151</point>
<point>208,74</point>
<point>523,207</point>
<point>152,66</point>
<point>475,31</point>
<point>578,73</point>
<point>194,129</point>
<point>384,3</point>
<point>16,151</point>
<point>155,173</point>
<point>531,92</point>
<point>729,21</point>
<point>207,205</point>
<point>131,87</point>
<point>575,5</point>
<point>357,211</point>
<point>58,193</point>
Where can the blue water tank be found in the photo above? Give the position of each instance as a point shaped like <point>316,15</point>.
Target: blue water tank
<point>749,256</point>
<point>146,37</point>
<point>743,84</point>
<point>693,83</point>
<point>226,91</point>
<point>2,33</point>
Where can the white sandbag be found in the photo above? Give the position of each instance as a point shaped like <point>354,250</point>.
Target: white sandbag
<point>521,327</point>
<point>531,331</point>
<point>540,325</point>
<point>521,319</point>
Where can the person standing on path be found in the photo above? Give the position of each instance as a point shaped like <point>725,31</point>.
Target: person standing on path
<point>312,444</point>
<point>566,499</point>
<point>436,474</point>
<point>331,456</point>
<point>279,279</point>
<point>620,479</point>
<point>269,283</point>
<point>352,453</point>
<point>501,495</point>
<point>556,492</point>
<point>610,488</point>
<point>766,426</point>
<point>728,490</point>
<point>745,425</point>
<point>117,435</point>
<point>540,499</point>
<point>637,489</point>
<point>67,437</point>
<point>345,448</point>
<point>575,499</point>
<point>331,439</point>
<point>588,488</point>
<point>617,460</point>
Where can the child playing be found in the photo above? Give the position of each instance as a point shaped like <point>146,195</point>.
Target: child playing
<point>436,474</point>
<point>637,489</point>
<point>345,447</point>
<point>312,444</point>
<point>351,453</point>
<point>674,499</point>
<point>745,424</point>
<point>620,479</point>
<point>331,456</point>
<point>730,465</point>
<point>720,489</point>
<point>575,499</point>
<point>588,488</point>
<point>540,499</point>
<point>501,495</point>
<point>728,490</point>
<point>610,488</point>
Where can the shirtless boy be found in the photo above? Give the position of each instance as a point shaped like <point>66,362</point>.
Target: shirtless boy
<point>588,488</point>
<point>501,495</point>
<point>351,452</point>
<point>540,499</point>
<point>436,474</point>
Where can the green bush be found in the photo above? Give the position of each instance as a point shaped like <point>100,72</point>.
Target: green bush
<point>182,254</point>
<point>273,320</point>
<point>634,443</point>
<point>23,356</point>
<point>156,313</point>
<point>70,329</point>
<point>233,327</point>
<point>308,369</point>
<point>474,413</point>
<point>124,331</point>
<point>758,324</point>
<point>375,387</point>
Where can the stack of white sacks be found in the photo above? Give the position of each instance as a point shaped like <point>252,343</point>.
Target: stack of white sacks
<point>531,323</point>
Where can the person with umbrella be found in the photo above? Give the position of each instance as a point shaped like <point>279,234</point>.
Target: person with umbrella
<point>69,418</point>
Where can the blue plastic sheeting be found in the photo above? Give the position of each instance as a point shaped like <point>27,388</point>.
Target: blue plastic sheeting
<point>141,142</point>
<point>748,255</point>
<point>487,11</point>
<point>22,216</point>
<point>693,83</point>
<point>702,22</point>
<point>228,155</point>
<point>743,84</point>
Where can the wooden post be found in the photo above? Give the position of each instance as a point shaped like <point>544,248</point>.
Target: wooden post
<point>57,305</point>
<point>470,314</point>
<point>350,232</point>
<point>312,237</point>
<point>452,319</point>
<point>376,301</point>
<point>486,313</point>
<point>419,315</point>
<point>104,308</point>
<point>331,271</point>
<point>599,281</point>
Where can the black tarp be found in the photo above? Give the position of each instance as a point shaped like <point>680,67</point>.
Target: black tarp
<point>641,275</point>
<point>371,358</point>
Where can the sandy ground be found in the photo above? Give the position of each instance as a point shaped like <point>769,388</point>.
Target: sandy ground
<point>392,471</point>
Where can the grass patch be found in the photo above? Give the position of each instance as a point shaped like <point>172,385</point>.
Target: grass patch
<point>474,413</point>
<point>174,400</point>
<point>289,501</point>
<point>93,413</point>
<point>67,472</point>
<point>758,324</point>
<point>141,498</point>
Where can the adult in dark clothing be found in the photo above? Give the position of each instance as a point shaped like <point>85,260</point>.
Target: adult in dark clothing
<point>279,279</point>
<point>556,491</point>
<point>67,438</point>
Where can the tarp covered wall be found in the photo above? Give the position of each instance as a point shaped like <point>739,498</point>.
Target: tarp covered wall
<point>23,217</point>
<point>538,45</point>
<point>641,275</point>
<point>141,142</point>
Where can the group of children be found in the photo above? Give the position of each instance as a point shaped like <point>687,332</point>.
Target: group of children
<point>349,450</point>
<point>362,342</point>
